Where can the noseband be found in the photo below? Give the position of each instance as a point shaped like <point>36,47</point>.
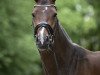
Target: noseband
<point>48,28</point>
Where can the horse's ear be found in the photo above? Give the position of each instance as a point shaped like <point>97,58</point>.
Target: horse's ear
<point>53,1</point>
<point>36,0</point>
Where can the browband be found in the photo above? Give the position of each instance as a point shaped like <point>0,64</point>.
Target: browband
<point>49,5</point>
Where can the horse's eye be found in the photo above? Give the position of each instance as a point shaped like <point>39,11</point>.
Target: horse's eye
<point>33,15</point>
<point>55,15</point>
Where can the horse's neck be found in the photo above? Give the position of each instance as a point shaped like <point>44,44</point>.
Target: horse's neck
<point>64,50</point>
<point>62,42</point>
<point>59,61</point>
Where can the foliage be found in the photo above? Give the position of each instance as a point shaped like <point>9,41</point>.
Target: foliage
<point>18,52</point>
<point>79,21</point>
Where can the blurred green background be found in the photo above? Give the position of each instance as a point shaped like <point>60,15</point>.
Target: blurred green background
<point>18,52</point>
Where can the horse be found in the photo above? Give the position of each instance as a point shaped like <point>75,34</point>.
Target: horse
<point>59,55</point>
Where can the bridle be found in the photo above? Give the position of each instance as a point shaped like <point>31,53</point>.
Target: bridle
<point>48,27</point>
<point>45,25</point>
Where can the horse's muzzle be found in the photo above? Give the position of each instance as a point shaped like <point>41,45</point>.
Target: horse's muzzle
<point>43,39</point>
<point>42,43</point>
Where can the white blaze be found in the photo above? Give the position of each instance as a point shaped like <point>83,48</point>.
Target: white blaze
<point>41,35</point>
<point>46,8</point>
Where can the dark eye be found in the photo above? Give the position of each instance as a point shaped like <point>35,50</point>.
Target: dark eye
<point>55,15</point>
<point>33,15</point>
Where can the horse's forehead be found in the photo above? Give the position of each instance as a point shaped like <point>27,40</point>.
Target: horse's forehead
<point>43,9</point>
<point>45,1</point>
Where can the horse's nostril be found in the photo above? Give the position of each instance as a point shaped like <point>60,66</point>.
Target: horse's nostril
<point>47,38</point>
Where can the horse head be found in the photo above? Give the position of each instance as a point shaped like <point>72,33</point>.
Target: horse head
<point>44,20</point>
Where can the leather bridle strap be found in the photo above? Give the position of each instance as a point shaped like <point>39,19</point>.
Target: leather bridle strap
<point>48,27</point>
<point>49,5</point>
